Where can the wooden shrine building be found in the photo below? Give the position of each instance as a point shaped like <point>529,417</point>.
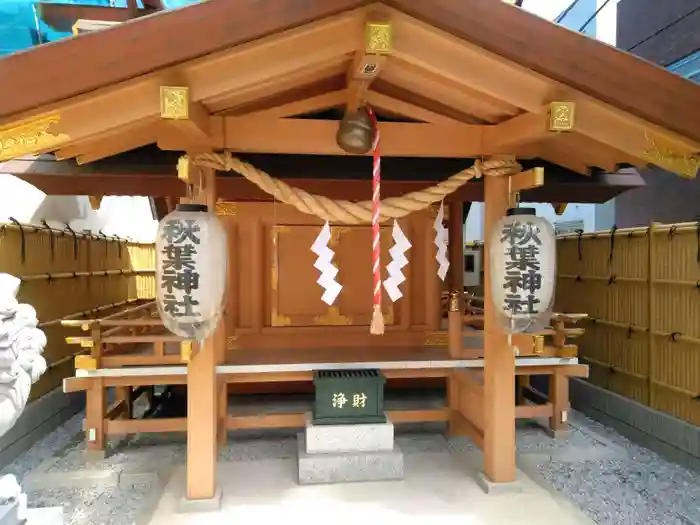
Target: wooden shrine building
<point>254,90</point>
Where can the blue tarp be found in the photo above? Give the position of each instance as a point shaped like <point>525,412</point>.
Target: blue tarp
<point>21,27</point>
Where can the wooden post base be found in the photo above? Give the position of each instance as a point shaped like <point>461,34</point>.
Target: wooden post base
<point>559,397</point>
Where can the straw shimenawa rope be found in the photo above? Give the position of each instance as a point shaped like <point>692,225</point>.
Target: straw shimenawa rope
<point>348,212</point>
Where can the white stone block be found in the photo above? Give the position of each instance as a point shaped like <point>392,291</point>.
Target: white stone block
<point>370,437</point>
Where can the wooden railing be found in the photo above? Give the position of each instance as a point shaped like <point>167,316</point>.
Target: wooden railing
<point>551,341</point>
<point>131,331</point>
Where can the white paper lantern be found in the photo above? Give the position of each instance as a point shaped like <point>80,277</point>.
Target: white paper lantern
<point>522,260</point>
<point>191,259</point>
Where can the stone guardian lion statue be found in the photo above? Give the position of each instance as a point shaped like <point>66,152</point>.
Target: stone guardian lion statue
<point>21,365</point>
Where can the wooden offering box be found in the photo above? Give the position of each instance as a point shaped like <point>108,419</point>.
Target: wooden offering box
<point>348,397</point>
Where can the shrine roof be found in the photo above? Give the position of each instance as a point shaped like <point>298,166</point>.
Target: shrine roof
<point>69,67</point>
<point>459,66</point>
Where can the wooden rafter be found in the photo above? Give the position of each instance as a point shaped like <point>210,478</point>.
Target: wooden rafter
<point>304,106</point>
<point>405,109</point>
<point>136,127</point>
<point>448,92</point>
<point>290,88</point>
<point>109,147</point>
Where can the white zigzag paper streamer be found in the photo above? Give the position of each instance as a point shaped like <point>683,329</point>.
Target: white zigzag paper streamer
<point>398,261</point>
<point>324,265</point>
<point>441,243</point>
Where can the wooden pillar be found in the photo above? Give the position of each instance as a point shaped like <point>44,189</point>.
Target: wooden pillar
<point>559,397</point>
<point>95,410</point>
<point>499,361</point>
<point>202,386</point>
<point>456,249</point>
<point>96,402</point>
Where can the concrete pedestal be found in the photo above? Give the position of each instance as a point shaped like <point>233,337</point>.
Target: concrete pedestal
<point>347,453</point>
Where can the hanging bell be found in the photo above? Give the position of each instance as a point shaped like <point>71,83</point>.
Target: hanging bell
<point>356,132</point>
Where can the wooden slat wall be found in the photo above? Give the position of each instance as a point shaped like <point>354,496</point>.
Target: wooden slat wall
<point>641,288</point>
<point>49,286</point>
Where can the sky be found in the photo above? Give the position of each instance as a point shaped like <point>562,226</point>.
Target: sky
<point>546,8</point>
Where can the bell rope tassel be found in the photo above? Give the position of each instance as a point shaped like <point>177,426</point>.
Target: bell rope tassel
<point>376,327</point>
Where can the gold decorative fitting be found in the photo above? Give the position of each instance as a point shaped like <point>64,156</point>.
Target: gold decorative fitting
<point>232,342</point>
<point>86,343</point>
<point>378,38</point>
<point>333,317</point>
<point>174,102</point>
<point>276,319</point>
<point>30,137</point>
<point>185,351</point>
<point>85,362</point>
<point>336,232</point>
<point>226,209</point>
<point>183,168</point>
<point>436,338</point>
<point>538,344</point>
<point>538,177</point>
<point>663,156</point>
<point>561,116</point>
<point>454,301</point>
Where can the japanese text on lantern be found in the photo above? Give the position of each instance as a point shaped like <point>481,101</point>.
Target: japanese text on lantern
<point>179,276</point>
<point>523,277</point>
<point>358,400</point>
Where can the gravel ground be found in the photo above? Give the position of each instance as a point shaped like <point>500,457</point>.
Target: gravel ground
<point>639,489</point>
<point>633,487</point>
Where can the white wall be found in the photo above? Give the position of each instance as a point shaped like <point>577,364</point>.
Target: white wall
<point>128,217</point>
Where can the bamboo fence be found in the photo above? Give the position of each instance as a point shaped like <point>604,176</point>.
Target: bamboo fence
<point>68,274</point>
<point>641,289</point>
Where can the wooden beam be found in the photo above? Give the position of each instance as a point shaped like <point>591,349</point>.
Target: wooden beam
<point>560,207</point>
<point>252,134</point>
<point>527,128</point>
<point>188,118</point>
<point>526,180</point>
<point>60,178</point>
<point>95,201</point>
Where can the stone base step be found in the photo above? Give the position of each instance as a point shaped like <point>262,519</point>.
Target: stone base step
<point>345,467</point>
<point>367,437</point>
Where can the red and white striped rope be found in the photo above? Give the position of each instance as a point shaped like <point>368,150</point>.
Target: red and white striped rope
<point>376,205</point>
